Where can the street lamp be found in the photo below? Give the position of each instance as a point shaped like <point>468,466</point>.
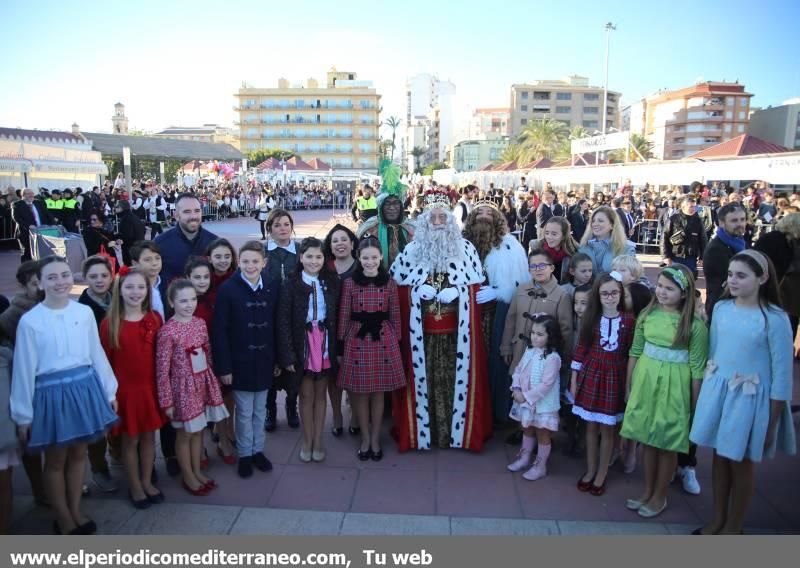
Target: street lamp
<point>609,28</point>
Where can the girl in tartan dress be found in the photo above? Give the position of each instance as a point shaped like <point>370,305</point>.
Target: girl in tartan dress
<point>369,327</point>
<point>599,368</point>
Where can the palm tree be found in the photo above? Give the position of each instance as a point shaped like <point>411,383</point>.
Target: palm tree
<point>542,139</point>
<point>642,145</point>
<point>510,154</point>
<point>417,152</point>
<point>393,122</point>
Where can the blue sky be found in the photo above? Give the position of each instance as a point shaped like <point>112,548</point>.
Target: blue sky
<point>180,62</point>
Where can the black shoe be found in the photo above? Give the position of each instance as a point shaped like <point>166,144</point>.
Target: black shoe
<point>271,423</point>
<point>354,430</point>
<point>173,467</point>
<point>141,503</point>
<point>364,455</point>
<point>73,532</point>
<point>377,456</point>
<point>261,462</point>
<point>337,431</point>
<point>292,417</point>
<point>245,467</point>
<point>89,527</point>
<point>514,438</point>
<point>156,499</point>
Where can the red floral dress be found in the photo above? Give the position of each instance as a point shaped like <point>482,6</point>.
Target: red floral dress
<point>134,365</point>
<point>194,394</point>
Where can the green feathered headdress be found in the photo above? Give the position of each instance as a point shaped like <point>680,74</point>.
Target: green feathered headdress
<point>390,181</point>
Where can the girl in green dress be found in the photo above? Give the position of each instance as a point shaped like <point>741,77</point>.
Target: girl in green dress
<point>665,365</point>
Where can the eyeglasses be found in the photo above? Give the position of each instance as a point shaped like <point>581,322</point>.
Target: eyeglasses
<point>540,266</point>
<point>611,294</point>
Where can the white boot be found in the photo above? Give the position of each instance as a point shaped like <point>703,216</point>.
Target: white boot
<point>538,471</point>
<point>523,460</point>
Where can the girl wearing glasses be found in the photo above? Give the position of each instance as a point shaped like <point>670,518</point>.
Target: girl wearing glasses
<point>598,375</point>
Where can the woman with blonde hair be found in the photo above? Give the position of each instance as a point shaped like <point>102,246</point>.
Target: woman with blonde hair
<point>558,241</point>
<point>605,240</point>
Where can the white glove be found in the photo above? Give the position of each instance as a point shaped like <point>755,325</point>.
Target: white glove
<point>447,295</point>
<point>427,292</point>
<point>486,294</point>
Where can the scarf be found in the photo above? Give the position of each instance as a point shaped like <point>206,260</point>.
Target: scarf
<point>558,255</point>
<point>736,243</point>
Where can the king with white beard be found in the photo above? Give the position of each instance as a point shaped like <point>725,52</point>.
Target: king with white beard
<point>446,400</point>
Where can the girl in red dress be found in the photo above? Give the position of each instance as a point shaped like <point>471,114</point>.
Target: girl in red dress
<point>369,326</point>
<point>599,370</point>
<point>128,335</point>
<point>188,390</point>
<point>223,259</point>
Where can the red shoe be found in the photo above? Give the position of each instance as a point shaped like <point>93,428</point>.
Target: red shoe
<point>210,485</point>
<point>584,486</point>
<point>201,491</point>
<point>597,491</point>
<point>227,460</point>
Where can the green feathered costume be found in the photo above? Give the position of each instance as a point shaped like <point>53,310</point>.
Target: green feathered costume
<point>393,237</point>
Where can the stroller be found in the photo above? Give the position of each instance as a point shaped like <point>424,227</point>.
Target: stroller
<point>54,240</point>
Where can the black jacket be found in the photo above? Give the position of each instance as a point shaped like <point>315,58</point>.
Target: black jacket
<point>243,332</point>
<point>716,258</point>
<point>543,213</point>
<point>693,241</point>
<point>21,215</point>
<point>131,229</point>
<point>578,221</point>
<point>292,313</point>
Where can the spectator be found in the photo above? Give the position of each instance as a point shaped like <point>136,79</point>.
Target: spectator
<point>684,237</point>
<point>28,213</point>
<point>130,229</point>
<point>579,219</point>
<point>728,241</point>
<point>545,209</point>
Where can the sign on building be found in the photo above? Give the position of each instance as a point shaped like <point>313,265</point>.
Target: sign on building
<point>601,143</point>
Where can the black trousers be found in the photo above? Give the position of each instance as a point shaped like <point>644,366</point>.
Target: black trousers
<point>284,381</point>
<point>167,436</point>
<point>690,459</point>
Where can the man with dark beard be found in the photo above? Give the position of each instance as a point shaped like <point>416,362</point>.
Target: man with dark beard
<point>446,400</point>
<point>505,267</point>
<point>389,226</point>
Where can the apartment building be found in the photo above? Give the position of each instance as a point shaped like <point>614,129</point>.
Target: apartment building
<point>682,122</point>
<point>472,155</point>
<point>780,124</point>
<point>337,123</point>
<point>572,101</point>
<point>205,133</point>
<point>430,120</point>
<point>487,121</point>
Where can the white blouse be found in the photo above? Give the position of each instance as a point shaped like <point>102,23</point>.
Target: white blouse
<point>321,310</point>
<point>51,340</point>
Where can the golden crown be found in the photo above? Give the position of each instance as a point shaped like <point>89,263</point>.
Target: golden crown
<point>435,198</point>
<point>485,202</point>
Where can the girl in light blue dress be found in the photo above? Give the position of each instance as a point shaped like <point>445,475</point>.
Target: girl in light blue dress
<point>743,411</point>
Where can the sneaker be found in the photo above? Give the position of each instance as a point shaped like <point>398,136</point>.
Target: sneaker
<point>689,480</point>
<point>104,482</point>
<point>245,467</point>
<point>261,462</point>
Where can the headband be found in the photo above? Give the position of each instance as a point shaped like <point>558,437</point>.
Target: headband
<point>678,276</point>
<point>616,276</point>
<point>759,257</point>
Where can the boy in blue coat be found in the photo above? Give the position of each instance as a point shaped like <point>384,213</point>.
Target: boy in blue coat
<point>243,344</point>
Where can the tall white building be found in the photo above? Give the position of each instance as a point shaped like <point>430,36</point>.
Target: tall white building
<point>430,118</point>
<point>780,124</point>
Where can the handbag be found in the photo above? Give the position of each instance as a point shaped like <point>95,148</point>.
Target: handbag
<point>677,238</point>
<point>112,259</point>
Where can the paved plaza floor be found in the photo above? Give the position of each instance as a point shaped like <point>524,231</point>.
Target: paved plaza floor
<point>435,492</point>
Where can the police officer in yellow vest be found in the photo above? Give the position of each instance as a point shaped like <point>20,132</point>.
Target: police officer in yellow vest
<point>54,206</point>
<point>69,212</point>
<point>367,205</point>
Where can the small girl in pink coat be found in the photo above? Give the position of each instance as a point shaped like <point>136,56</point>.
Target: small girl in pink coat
<point>188,391</point>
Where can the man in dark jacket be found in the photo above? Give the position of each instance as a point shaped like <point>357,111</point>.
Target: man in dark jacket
<point>728,241</point>
<point>189,238</point>
<point>27,213</point>
<point>545,209</point>
<point>684,237</point>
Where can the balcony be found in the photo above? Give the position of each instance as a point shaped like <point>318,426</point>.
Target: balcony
<point>541,95</point>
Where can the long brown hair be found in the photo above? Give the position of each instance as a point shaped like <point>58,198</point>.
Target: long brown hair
<point>687,307</point>
<point>594,311</point>
<point>769,295</point>
<point>116,311</point>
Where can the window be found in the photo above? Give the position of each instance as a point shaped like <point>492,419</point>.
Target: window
<point>365,162</point>
<point>300,133</point>
<point>727,128</point>
<point>677,153</point>
<point>590,110</point>
<point>524,108</point>
<point>563,110</point>
<point>541,108</point>
<point>729,114</point>
<point>345,148</point>
<point>523,121</point>
<point>314,147</point>
<point>740,128</point>
<point>299,103</point>
<point>494,154</point>
<point>364,148</point>
<point>563,96</point>
<point>252,146</point>
<point>743,101</point>
<point>729,100</point>
<point>590,123</point>
<point>363,133</point>
<point>541,95</point>
<point>301,147</point>
<point>524,94</point>
<point>742,115</point>
<point>591,97</point>
<point>346,133</point>
<point>695,141</point>
<point>315,133</point>
<point>679,140</point>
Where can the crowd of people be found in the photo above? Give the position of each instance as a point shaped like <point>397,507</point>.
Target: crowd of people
<point>518,310</point>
